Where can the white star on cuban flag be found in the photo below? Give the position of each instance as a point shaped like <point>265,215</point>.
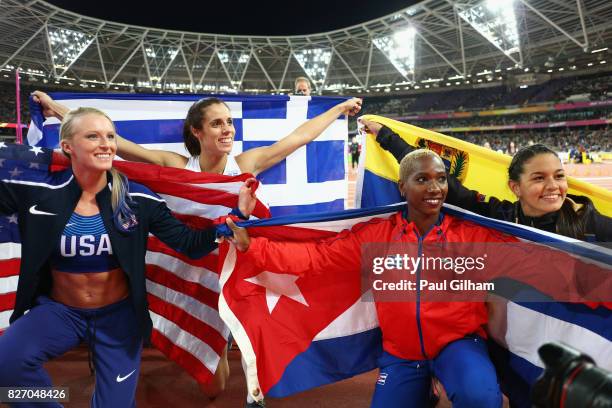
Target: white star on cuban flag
<point>277,285</point>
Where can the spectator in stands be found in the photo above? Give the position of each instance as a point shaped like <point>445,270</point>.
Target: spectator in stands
<point>511,148</point>
<point>355,149</point>
<point>302,86</point>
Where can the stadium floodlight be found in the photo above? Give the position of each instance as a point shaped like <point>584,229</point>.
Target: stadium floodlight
<point>66,46</point>
<point>315,62</point>
<point>33,72</point>
<point>235,63</point>
<point>425,81</point>
<point>399,49</point>
<point>336,87</point>
<point>496,21</point>
<point>159,57</point>
<point>173,86</point>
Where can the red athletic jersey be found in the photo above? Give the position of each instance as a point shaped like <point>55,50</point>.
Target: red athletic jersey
<point>441,323</point>
<point>416,330</point>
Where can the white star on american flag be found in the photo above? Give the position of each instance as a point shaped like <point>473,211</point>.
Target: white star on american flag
<point>36,150</point>
<point>2,145</point>
<point>34,165</point>
<point>12,219</point>
<point>15,172</point>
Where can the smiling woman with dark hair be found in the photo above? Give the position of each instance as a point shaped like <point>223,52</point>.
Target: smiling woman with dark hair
<point>209,133</point>
<point>537,178</point>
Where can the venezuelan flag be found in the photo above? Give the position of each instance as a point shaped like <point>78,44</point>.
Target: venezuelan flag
<point>478,168</point>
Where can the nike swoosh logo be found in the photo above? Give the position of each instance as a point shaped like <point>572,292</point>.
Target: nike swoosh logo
<point>121,379</point>
<point>34,211</point>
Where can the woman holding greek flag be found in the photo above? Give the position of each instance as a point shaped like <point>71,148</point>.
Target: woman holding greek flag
<point>208,134</point>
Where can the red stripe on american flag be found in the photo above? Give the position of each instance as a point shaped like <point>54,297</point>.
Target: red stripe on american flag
<point>187,322</point>
<point>150,174</point>
<point>203,195</point>
<point>183,358</point>
<point>197,194</point>
<point>141,172</point>
<point>210,261</point>
<point>170,280</point>
<point>9,267</point>
<point>7,301</point>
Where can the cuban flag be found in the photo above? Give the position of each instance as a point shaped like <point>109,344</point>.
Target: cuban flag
<point>311,179</point>
<point>296,333</point>
<point>301,332</point>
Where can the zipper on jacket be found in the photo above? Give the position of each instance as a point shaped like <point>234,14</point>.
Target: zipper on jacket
<point>418,278</point>
<point>418,301</point>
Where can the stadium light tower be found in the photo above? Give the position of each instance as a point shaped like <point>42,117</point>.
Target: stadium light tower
<point>399,49</point>
<point>235,63</point>
<point>66,47</point>
<point>158,59</point>
<point>495,20</point>
<point>315,62</point>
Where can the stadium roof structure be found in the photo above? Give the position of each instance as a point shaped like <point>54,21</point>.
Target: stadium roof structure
<point>430,42</point>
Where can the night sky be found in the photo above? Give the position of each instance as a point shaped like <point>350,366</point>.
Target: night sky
<point>238,17</point>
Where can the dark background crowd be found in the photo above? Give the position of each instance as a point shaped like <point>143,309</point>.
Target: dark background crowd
<point>560,136</point>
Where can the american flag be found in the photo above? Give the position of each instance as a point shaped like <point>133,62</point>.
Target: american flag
<point>183,293</point>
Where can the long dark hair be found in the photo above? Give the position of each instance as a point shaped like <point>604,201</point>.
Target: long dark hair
<point>194,119</point>
<point>571,222</point>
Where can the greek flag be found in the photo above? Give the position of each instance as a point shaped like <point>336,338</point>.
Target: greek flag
<point>312,179</point>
